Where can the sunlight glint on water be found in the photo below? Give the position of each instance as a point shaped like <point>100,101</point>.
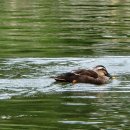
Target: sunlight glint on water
<point>90,32</point>
<point>28,76</point>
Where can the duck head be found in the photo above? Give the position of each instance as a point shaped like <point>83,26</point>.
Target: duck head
<point>102,71</point>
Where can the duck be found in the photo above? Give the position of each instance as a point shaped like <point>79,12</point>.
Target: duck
<point>97,75</point>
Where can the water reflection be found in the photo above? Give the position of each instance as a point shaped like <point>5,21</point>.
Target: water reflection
<point>100,112</point>
<point>64,28</point>
<point>27,76</point>
<point>41,103</point>
<point>30,99</point>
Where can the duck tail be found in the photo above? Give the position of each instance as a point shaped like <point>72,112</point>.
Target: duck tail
<point>66,77</point>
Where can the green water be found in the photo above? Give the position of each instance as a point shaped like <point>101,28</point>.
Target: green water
<point>43,38</point>
<point>59,28</point>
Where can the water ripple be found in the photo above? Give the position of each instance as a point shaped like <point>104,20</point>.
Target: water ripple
<point>27,76</point>
<point>79,122</point>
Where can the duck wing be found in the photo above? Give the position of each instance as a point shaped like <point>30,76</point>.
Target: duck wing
<point>91,80</point>
<point>88,76</point>
<point>88,73</point>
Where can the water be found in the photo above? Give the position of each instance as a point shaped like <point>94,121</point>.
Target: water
<point>41,39</point>
<point>31,99</point>
<point>64,28</point>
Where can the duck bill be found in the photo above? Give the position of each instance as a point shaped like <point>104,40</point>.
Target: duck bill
<point>110,76</point>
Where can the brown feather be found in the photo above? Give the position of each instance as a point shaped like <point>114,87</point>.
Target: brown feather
<point>90,73</point>
<point>95,76</point>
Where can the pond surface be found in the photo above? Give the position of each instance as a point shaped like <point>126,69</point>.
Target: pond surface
<point>31,99</point>
<point>41,39</point>
<point>64,28</point>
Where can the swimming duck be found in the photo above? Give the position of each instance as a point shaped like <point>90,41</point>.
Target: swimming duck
<point>98,75</point>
